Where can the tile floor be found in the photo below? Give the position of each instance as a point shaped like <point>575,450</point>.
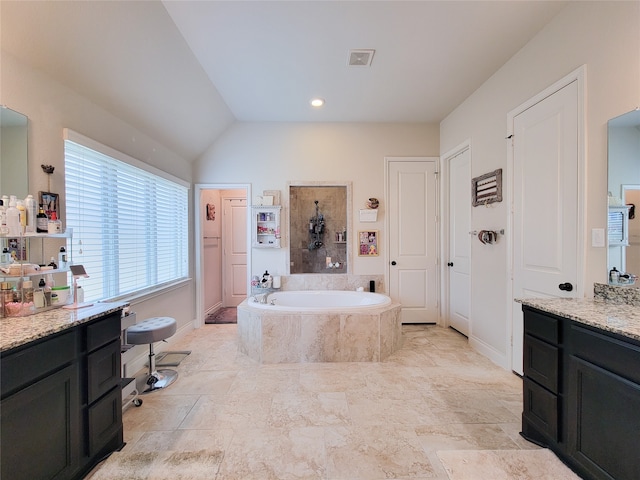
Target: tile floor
<point>333,421</point>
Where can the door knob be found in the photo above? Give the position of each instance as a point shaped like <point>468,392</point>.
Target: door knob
<point>393,262</point>
<point>450,264</point>
<point>567,287</point>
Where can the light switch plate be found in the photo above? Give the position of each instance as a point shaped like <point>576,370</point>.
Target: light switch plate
<point>597,237</point>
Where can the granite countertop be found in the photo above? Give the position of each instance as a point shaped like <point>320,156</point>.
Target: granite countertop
<point>17,331</point>
<point>611,316</point>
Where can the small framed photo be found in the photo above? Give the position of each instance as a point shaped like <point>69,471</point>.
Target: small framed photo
<point>368,243</point>
<point>18,249</point>
<point>49,202</point>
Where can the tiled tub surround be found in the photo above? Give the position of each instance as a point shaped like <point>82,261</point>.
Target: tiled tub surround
<point>17,331</point>
<point>366,335</point>
<point>331,282</point>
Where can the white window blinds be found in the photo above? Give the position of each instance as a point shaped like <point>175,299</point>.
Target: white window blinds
<point>130,226</point>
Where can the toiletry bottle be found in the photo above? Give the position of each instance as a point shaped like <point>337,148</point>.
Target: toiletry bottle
<point>62,258</point>
<point>53,264</point>
<point>42,221</point>
<point>30,205</point>
<point>54,225</point>
<point>5,258</point>
<point>13,218</point>
<point>22,212</point>
<point>38,298</point>
<point>3,218</point>
<point>46,289</point>
<point>614,276</point>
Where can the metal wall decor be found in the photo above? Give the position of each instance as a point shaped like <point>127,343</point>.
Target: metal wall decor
<point>487,188</point>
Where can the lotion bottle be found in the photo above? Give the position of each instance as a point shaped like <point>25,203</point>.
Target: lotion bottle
<point>13,217</point>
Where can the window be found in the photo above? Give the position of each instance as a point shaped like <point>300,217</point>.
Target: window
<point>129,220</point>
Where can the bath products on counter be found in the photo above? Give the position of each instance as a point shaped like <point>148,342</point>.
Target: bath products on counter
<point>267,280</point>
<point>276,281</point>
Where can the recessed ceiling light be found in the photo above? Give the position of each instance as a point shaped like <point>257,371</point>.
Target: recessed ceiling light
<point>317,102</point>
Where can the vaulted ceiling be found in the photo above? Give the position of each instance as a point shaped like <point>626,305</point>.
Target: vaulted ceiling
<point>183,71</point>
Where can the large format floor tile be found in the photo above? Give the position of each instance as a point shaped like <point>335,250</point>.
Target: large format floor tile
<point>433,410</point>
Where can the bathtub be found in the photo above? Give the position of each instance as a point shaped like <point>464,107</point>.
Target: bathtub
<point>319,326</point>
<point>321,300</point>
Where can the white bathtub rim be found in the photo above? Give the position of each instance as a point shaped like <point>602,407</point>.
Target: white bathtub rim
<point>385,302</point>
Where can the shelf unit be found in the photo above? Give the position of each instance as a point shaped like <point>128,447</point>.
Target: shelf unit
<point>31,252</point>
<point>265,230</point>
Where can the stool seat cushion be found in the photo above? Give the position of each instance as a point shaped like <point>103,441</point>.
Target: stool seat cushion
<point>151,330</point>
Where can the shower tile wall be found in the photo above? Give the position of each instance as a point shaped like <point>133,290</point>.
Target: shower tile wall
<point>332,202</point>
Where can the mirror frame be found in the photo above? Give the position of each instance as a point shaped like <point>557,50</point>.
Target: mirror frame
<point>21,166</point>
<point>349,225</point>
<point>631,184</point>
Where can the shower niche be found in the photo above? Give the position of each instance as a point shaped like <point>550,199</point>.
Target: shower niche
<point>318,225</point>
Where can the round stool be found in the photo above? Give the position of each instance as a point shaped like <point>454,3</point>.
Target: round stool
<point>149,331</point>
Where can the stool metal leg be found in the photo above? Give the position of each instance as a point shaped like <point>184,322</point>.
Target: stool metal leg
<point>158,378</point>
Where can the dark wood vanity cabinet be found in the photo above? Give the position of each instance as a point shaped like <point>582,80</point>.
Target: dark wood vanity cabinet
<point>61,407</point>
<point>581,391</point>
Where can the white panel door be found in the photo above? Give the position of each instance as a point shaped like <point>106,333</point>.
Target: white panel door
<point>459,264</point>
<point>234,285</point>
<point>545,204</point>
<point>413,233</point>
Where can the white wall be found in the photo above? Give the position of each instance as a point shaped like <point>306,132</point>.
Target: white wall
<point>271,154</point>
<point>51,107</point>
<point>604,36</point>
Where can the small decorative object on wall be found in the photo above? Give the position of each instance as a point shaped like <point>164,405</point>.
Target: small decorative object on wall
<point>211,212</point>
<point>487,188</point>
<point>49,202</point>
<point>368,243</point>
<point>373,203</point>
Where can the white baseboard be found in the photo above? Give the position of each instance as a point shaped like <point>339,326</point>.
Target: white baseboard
<point>214,308</point>
<point>488,351</point>
<point>141,352</point>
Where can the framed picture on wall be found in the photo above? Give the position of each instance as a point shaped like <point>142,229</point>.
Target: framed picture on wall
<point>49,203</point>
<point>368,243</point>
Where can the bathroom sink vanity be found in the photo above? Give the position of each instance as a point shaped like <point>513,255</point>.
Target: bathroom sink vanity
<point>581,384</point>
<point>61,403</point>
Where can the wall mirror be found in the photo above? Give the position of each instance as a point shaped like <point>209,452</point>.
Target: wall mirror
<point>14,165</point>
<point>320,228</point>
<point>623,134</point>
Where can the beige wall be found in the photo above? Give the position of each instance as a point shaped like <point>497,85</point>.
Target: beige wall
<point>605,37</point>
<point>270,155</point>
<point>52,107</point>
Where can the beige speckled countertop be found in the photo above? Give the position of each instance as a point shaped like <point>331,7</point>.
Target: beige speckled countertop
<point>17,331</point>
<point>613,317</point>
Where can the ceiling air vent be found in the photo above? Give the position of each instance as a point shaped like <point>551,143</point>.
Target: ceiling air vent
<point>361,58</point>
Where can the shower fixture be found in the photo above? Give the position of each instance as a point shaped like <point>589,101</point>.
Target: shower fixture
<point>316,229</point>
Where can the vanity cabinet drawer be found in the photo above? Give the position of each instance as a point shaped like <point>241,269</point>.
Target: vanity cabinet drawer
<point>540,410</point>
<point>103,370</point>
<point>103,331</point>
<point>542,326</point>
<point>615,355</point>
<point>541,363</point>
<point>23,367</point>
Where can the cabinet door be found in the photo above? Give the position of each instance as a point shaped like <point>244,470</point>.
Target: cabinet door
<point>40,429</point>
<point>603,422</point>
